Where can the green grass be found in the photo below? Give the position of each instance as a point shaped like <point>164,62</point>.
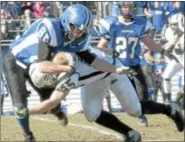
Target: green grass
<point>160,128</point>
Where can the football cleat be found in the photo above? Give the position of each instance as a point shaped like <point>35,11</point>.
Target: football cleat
<point>177,117</point>
<point>133,136</point>
<point>29,137</point>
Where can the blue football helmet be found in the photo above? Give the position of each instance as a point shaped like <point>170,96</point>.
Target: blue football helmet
<point>77,15</point>
<point>126,8</point>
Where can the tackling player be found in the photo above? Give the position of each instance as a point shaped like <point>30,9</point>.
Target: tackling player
<point>38,43</point>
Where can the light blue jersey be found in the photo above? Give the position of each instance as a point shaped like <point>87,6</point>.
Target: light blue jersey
<point>158,67</point>
<point>158,15</point>
<point>125,37</point>
<point>50,31</point>
<point>140,5</point>
<point>171,9</point>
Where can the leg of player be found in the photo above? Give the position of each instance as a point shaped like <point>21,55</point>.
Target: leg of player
<point>92,106</point>
<point>172,68</point>
<point>161,87</point>
<point>2,102</point>
<point>108,99</point>
<point>110,121</point>
<point>140,83</point>
<point>142,91</point>
<point>16,82</point>
<point>132,106</point>
<point>173,111</point>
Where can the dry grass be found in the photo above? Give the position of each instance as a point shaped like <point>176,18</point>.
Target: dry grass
<point>160,129</point>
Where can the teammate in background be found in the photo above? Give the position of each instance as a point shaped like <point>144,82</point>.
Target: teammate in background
<point>146,67</point>
<point>140,7</point>
<point>157,12</point>
<point>158,66</point>
<point>123,35</point>
<point>38,43</point>
<point>4,90</point>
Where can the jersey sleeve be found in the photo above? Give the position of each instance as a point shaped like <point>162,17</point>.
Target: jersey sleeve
<point>46,32</point>
<point>86,56</point>
<point>104,26</point>
<point>103,29</point>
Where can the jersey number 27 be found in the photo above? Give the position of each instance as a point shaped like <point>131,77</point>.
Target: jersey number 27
<point>122,43</point>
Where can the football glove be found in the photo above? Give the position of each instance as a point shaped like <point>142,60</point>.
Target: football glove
<point>125,70</point>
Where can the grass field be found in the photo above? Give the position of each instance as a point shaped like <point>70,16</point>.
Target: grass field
<point>46,128</point>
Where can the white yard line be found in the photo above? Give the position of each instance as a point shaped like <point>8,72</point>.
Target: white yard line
<point>104,132</point>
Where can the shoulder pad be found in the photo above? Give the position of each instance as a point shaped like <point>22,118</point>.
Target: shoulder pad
<point>46,32</point>
<point>107,21</point>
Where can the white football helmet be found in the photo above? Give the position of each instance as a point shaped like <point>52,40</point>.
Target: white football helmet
<point>42,80</point>
<point>177,19</point>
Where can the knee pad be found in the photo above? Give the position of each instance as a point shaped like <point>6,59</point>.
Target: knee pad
<point>9,63</point>
<point>91,116</point>
<point>136,110</point>
<point>136,113</point>
<point>20,112</point>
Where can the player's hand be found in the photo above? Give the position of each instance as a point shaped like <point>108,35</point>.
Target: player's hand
<point>125,70</point>
<point>161,61</point>
<point>67,82</point>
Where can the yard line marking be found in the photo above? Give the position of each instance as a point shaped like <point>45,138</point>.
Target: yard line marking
<point>118,136</point>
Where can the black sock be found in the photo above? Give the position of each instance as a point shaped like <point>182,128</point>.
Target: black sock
<point>168,95</point>
<point>151,107</point>
<point>108,120</point>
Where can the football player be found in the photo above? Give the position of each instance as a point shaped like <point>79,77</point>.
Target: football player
<point>123,35</point>
<point>94,89</point>
<point>38,43</point>
<point>174,35</point>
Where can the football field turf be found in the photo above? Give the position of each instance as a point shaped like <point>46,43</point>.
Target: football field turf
<point>47,128</point>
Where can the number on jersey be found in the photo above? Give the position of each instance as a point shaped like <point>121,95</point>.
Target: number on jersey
<point>122,43</point>
<point>43,35</point>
